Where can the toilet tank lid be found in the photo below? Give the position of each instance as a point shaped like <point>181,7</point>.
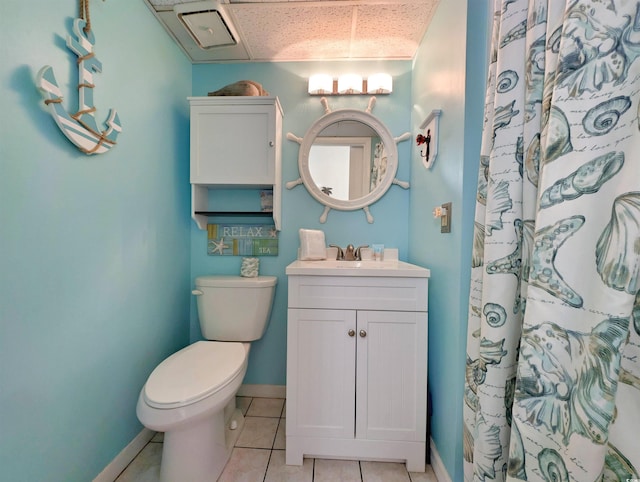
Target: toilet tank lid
<point>236,281</point>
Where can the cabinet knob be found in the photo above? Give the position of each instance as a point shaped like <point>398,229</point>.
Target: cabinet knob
<point>351,332</point>
<point>271,144</point>
<point>363,333</point>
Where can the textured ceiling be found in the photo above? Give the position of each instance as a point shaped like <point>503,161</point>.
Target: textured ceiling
<point>312,30</point>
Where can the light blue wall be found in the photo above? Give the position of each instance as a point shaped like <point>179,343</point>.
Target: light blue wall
<point>98,253</point>
<point>289,82</point>
<point>448,74</point>
<point>94,259</point>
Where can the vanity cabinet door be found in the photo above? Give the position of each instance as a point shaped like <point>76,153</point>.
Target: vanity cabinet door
<point>321,371</point>
<point>391,375</point>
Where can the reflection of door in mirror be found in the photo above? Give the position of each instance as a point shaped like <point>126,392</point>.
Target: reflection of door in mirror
<point>341,166</point>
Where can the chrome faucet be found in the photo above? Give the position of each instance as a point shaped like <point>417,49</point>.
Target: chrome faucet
<point>350,253</point>
<point>340,254</point>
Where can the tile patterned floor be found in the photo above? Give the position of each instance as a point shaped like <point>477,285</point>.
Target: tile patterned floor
<point>258,456</point>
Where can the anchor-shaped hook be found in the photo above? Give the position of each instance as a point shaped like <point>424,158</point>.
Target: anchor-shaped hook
<point>420,139</point>
<point>80,128</point>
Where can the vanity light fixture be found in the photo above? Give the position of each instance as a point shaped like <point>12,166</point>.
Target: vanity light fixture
<point>379,84</point>
<point>321,84</point>
<point>350,84</point>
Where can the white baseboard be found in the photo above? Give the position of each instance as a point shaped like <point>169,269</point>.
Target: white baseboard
<point>436,464</point>
<point>124,458</point>
<point>262,391</point>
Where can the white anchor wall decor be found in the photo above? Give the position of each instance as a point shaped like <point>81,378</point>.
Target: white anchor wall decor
<point>80,128</point>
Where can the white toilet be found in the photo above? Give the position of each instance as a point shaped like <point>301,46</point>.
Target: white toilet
<point>191,395</point>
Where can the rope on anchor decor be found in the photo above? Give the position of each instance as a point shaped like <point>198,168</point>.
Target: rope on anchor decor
<point>80,128</point>
<point>85,15</point>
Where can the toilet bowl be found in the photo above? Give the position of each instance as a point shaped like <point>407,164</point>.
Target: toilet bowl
<point>190,396</point>
<point>196,412</point>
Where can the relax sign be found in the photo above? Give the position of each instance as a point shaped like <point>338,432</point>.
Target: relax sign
<point>242,240</point>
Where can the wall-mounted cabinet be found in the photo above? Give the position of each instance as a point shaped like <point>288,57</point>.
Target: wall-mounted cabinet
<point>236,143</point>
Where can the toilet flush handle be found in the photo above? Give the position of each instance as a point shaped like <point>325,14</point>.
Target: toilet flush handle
<point>197,292</point>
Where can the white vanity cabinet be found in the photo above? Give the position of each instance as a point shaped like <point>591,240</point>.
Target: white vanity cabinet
<point>357,366</point>
<point>236,142</point>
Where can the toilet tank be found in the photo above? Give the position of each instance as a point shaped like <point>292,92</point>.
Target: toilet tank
<point>234,308</point>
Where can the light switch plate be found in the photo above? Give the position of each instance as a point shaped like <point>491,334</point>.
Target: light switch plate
<point>445,219</point>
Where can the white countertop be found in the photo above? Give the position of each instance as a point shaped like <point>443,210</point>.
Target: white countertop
<point>332,267</point>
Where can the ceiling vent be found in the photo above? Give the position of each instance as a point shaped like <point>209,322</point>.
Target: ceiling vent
<point>202,29</point>
<point>207,27</point>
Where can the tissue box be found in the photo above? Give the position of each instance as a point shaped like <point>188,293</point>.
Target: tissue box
<point>312,245</point>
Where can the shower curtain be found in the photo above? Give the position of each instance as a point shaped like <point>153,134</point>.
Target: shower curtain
<point>552,385</point>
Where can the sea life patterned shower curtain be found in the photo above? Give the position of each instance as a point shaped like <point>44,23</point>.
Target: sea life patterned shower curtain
<point>552,386</point>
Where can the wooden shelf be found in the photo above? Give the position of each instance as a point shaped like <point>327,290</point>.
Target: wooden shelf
<point>235,213</point>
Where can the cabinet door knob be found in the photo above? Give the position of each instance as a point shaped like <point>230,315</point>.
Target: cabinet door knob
<point>363,333</point>
<point>351,332</point>
<point>271,144</point>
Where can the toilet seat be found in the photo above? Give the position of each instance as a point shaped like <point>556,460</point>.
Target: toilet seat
<point>194,373</point>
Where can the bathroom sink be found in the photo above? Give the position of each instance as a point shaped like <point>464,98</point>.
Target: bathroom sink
<point>332,267</point>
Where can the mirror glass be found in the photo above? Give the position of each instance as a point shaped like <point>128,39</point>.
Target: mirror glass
<point>348,159</point>
<point>345,160</point>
